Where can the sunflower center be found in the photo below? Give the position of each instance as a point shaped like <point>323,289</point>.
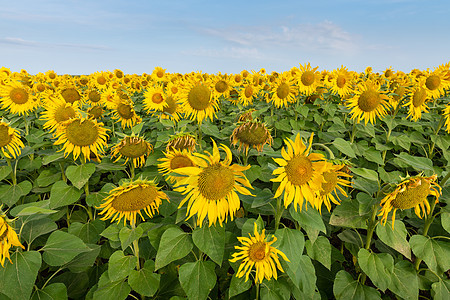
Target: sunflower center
<point>96,112</point>
<point>133,149</point>
<point>216,182</point>
<point>221,86</point>
<point>40,87</point>
<point>82,133</point>
<point>84,81</point>
<point>160,74</point>
<point>399,91</point>
<point>252,134</point>
<point>248,92</point>
<point>299,170</point>
<point>171,108</point>
<point>330,183</point>
<point>388,73</point>
<point>238,78</point>
<point>307,78</point>
<point>340,81</point>
<point>70,95</point>
<point>63,113</point>
<point>101,80</point>
<point>433,82</point>
<point>157,98</point>
<point>174,89</point>
<point>369,100</point>
<point>419,97</point>
<point>124,110</point>
<point>412,196</point>
<point>257,251</point>
<point>180,161</point>
<point>94,96</point>
<point>5,138</point>
<point>283,90</point>
<point>52,75</point>
<point>199,97</point>
<point>18,95</point>
<point>118,73</point>
<point>135,199</point>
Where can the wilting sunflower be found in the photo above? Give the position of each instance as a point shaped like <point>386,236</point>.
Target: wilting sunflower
<point>8,238</point>
<point>341,82</point>
<point>154,99</point>
<point>251,134</point>
<point>124,112</point>
<point>300,174</point>
<point>81,136</point>
<point>411,192</point>
<point>446,113</point>
<point>308,79</point>
<point>17,98</point>
<point>258,252</point>
<point>417,103</point>
<point>182,141</point>
<point>246,116</point>
<point>211,187</point>
<point>10,142</point>
<point>197,99</point>
<point>283,90</point>
<point>132,148</point>
<point>368,102</point>
<point>333,183</point>
<point>57,110</point>
<point>175,159</point>
<point>127,200</point>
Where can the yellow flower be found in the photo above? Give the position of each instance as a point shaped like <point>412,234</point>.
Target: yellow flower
<point>132,148</point>
<point>127,200</point>
<point>418,96</point>
<point>341,82</point>
<point>257,251</point>
<point>154,99</point>
<point>412,192</point>
<point>124,112</point>
<point>251,134</point>
<point>17,98</point>
<point>283,90</point>
<point>437,82</point>
<point>222,86</point>
<point>446,114</point>
<point>211,186</point>
<point>332,183</point>
<point>300,174</point>
<point>173,160</point>
<point>8,238</point>
<point>10,142</point>
<point>181,141</point>
<point>57,110</point>
<point>308,79</point>
<point>248,91</point>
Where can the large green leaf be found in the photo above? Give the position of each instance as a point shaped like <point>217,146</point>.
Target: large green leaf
<point>366,173</point>
<point>346,288</point>
<point>238,285</point>
<point>211,240</point>
<point>108,289</point>
<point>62,247</point>
<point>320,250</point>
<point>4,172</point>
<point>404,282</point>
<point>378,266</point>
<point>344,146</point>
<point>417,162</point>
<point>10,194</point>
<point>62,194</point>
<point>120,265</point>
<point>79,175</point>
<point>34,228</point>
<point>175,244</point>
<point>53,291</point>
<point>347,215</point>
<point>47,177</point>
<point>275,290</point>
<point>394,237</point>
<point>197,279</point>
<point>304,277</point>
<point>88,232</point>
<point>144,281</point>
<point>83,261</point>
<point>291,242</point>
<point>441,290</point>
<point>17,279</point>
<point>431,252</point>
<point>445,221</point>
<point>128,235</point>
<point>308,217</point>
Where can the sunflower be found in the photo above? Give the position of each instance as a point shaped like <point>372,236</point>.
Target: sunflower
<point>57,110</point>
<point>446,114</point>
<point>257,251</point>
<point>81,136</point>
<point>181,141</point>
<point>399,87</point>
<point>368,102</point>
<point>95,112</point>
<point>93,97</point>
<point>436,83</point>
<point>248,92</point>
<point>154,99</point>
<point>132,148</point>
<point>51,75</point>
<point>418,96</point>
<point>175,159</point>
<point>8,238</point>
<point>332,183</point>
<point>251,134</point>
<point>341,82</point>
<point>124,112</point>
<point>197,99</point>
<point>222,86</point>
<point>300,174</point>
<point>127,200</point>
<point>99,80</point>
<point>411,192</point>
<point>283,90</point>
<point>308,79</point>
<point>10,142</point>
<point>70,93</point>
<point>210,187</point>
<point>109,97</point>
<point>17,98</point>
<point>159,74</point>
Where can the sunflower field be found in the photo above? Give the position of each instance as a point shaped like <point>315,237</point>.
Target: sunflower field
<point>300,184</point>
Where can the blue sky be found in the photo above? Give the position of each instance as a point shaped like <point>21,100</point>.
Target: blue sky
<point>82,37</point>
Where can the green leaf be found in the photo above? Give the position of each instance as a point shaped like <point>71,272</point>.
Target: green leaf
<point>211,240</point>
<point>96,199</point>
<point>83,261</point>
<point>347,215</point>
<point>51,158</point>
<point>53,291</point>
<point>320,250</point>
<point>47,177</point>
<point>128,235</point>
<point>120,265</point>
<point>79,175</point>
<point>308,217</point>
<point>4,172</point>
<point>62,194</point>
<point>175,244</point>
<point>404,282</point>
<point>275,290</point>
<point>431,252</point>
<point>10,194</point>
<point>144,281</point>
<point>17,279</point>
<point>238,286</point>
<point>111,232</point>
<point>394,238</point>
<point>291,242</point>
<point>346,288</point>
<point>88,232</point>
<point>34,228</point>
<point>445,221</point>
<point>197,279</point>
<point>107,289</point>
<point>373,155</point>
<point>344,146</point>
<point>62,247</point>
<point>418,163</point>
<point>33,210</point>
<point>366,173</point>
<point>304,276</point>
<point>249,226</point>
<point>378,266</point>
<point>440,290</point>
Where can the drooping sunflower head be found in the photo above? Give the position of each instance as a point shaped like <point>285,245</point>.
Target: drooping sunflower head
<point>256,251</point>
<point>251,134</point>
<point>17,98</point>
<point>129,199</point>
<point>197,99</point>
<point>132,148</point>
<point>334,182</point>
<point>8,238</point>
<point>246,116</point>
<point>211,186</point>
<point>410,193</point>
<point>173,160</point>
<point>82,136</point>
<point>10,141</point>
<point>124,112</point>
<point>182,141</point>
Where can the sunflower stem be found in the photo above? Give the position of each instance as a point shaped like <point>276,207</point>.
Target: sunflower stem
<point>257,291</point>
<point>372,224</point>
<point>135,245</point>
<point>278,213</point>
<point>63,175</point>
<point>352,135</point>
<point>199,131</point>
<point>245,158</point>
<point>131,170</point>
<point>13,171</point>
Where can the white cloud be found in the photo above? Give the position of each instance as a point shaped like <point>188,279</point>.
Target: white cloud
<point>15,41</point>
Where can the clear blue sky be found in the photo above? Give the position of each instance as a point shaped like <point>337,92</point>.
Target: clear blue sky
<point>82,37</point>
